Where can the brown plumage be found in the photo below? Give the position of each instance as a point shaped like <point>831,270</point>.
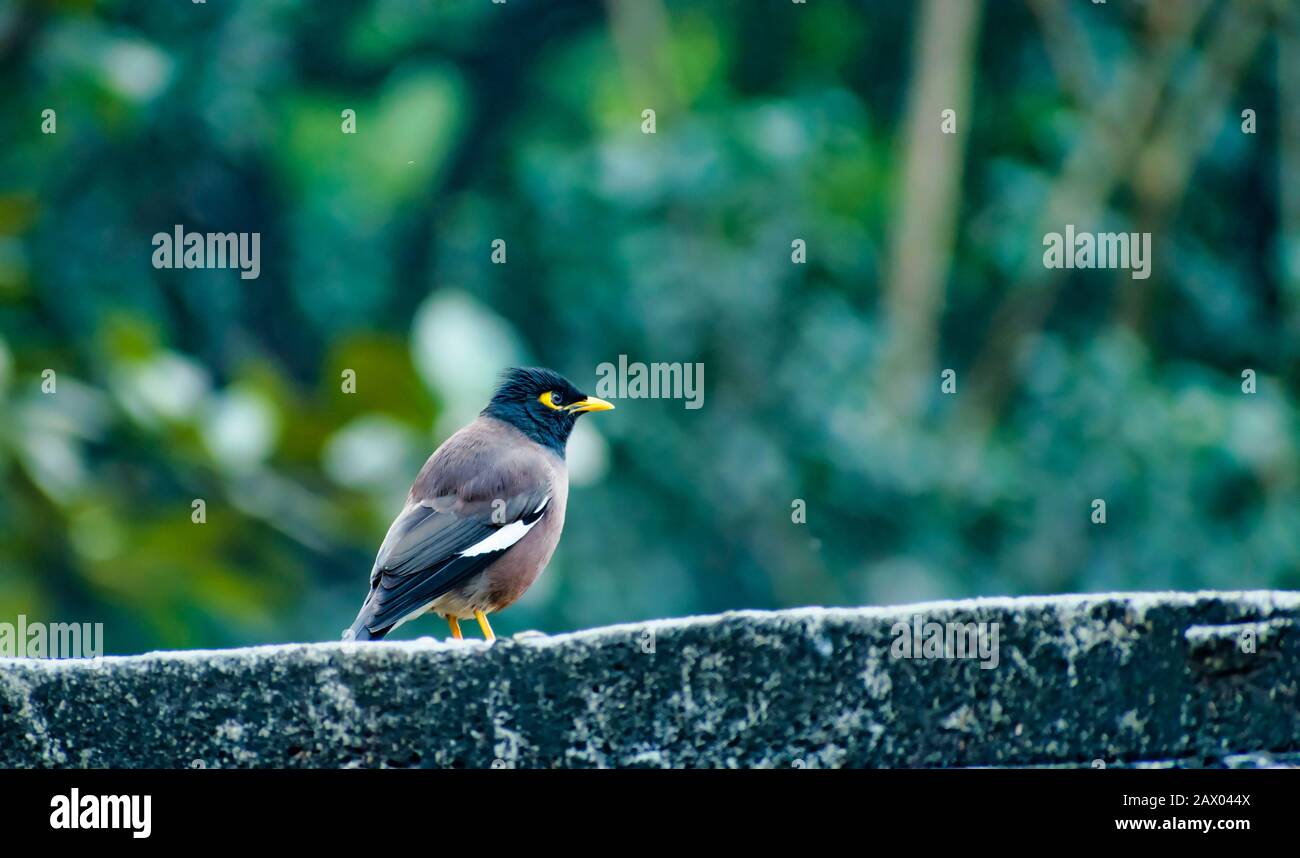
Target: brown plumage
<point>484,514</point>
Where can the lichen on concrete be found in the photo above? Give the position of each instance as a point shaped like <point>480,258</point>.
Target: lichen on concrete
<point>1158,679</point>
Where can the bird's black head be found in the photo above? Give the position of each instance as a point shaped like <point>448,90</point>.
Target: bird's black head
<point>542,404</point>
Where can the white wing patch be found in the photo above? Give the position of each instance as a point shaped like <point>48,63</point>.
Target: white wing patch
<point>506,536</point>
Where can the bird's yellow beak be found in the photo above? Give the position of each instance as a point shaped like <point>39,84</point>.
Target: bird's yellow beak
<point>591,403</point>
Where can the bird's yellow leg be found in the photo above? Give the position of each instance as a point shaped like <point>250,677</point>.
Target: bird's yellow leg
<point>483,624</point>
<point>455,626</point>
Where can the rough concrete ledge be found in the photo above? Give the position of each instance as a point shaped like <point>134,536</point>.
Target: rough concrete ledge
<point>1127,679</point>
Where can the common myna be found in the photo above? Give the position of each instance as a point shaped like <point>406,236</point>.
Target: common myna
<point>485,512</point>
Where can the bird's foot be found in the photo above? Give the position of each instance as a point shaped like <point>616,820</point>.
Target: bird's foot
<point>455,627</point>
<point>484,625</point>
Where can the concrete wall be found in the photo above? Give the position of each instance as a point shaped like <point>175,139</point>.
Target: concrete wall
<point>1121,679</point>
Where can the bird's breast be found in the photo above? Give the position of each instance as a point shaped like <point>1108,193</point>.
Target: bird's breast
<point>510,577</point>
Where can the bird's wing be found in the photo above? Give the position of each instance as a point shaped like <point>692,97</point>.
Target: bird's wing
<point>437,543</point>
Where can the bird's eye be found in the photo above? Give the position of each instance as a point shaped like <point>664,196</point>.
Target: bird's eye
<point>552,400</point>
<point>557,398</point>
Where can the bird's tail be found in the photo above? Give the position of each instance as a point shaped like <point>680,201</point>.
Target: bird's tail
<point>361,630</point>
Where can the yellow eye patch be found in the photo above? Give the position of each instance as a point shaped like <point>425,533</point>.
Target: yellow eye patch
<point>582,406</point>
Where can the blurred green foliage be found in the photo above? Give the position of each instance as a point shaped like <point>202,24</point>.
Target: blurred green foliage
<point>522,121</point>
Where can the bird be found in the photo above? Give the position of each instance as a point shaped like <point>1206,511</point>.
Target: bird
<point>485,512</point>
